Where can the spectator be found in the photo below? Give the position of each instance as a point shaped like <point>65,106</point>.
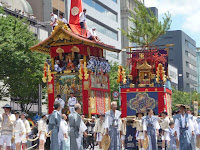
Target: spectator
<point>63,19</point>
<point>82,18</point>
<point>54,18</point>
<point>92,35</point>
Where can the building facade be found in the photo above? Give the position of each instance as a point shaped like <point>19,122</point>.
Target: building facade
<point>198,70</point>
<point>182,56</point>
<point>105,16</point>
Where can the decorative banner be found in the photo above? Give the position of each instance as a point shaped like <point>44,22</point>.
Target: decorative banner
<point>100,102</point>
<point>67,84</point>
<point>195,108</point>
<point>141,101</point>
<point>99,81</point>
<point>51,95</point>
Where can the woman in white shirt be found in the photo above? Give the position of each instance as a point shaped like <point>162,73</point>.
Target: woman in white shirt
<point>19,131</point>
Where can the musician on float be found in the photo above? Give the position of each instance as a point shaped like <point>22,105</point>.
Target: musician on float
<point>184,129</point>
<point>138,124</point>
<point>113,126</point>
<point>71,102</point>
<point>151,129</point>
<point>164,125</point>
<point>7,127</point>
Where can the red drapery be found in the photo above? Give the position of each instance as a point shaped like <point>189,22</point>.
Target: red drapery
<point>76,9</point>
<point>51,94</point>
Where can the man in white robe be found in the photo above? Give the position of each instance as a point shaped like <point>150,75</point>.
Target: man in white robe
<point>7,127</point>
<point>151,129</point>
<point>62,103</point>
<point>184,129</point>
<point>77,129</point>
<point>28,130</point>
<point>71,102</point>
<point>113,126</point>
<point>19,131</point>
<point>63,137</point>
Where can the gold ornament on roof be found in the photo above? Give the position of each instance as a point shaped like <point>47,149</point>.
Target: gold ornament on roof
<point>74,49</point>
<point>60,51</point>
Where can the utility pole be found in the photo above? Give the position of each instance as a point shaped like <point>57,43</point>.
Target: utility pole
<point>40,99</point>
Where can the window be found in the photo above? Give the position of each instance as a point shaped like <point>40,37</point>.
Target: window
<point>114,1</point>
<point>190,55</point>
<point>190,45</point>
<point>105,11</point>
<point>103,30</point>
<point>191,66</point>
<point>188,75</point>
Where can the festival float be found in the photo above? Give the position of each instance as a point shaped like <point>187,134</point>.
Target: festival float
<point>146,86</point>
<point>76,65</point>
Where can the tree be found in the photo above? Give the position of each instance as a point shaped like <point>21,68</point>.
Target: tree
<point>20,69</point>
<point>114,86</point>
<point>181,97</point>
<point>146,27</point>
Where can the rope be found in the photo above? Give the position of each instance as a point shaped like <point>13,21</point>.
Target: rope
<point>30,139</point>
<point>31,147</point>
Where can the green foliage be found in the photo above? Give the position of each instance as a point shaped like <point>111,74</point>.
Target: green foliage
<point>20,69</point>
<point>180,97</point>
<point>146,27</point>
<point>114,86</point>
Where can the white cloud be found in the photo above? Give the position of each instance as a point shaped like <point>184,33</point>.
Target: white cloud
<point>189,9</point>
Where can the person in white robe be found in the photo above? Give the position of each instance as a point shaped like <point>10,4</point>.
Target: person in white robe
<point>62,103</point>
<point>28,130</point>
<point>63,137</point>
<point>184,129</point>
<point>113,126</point>
<point>98,129</point>
<point>164,125</point>
<point>19,131</point>
<point>151,129</point>
<point>71,102</point>
<point>77,129</point>
<point>42,130</point>
<point>7,127</point>
<point>138,124</point>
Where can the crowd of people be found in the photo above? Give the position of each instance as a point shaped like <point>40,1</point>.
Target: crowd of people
<point>58,131</point>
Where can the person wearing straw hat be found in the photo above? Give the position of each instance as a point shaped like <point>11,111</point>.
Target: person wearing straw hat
<point>151,129</point>
<point>113,126</point>
<point>138,124</point>
<point>7,127</point>
<point>19,131</point>
<point>164,125</point>
<point>184,129</point>
<point>42,130</point>
<point>98,129</point>
<point>28,130</point>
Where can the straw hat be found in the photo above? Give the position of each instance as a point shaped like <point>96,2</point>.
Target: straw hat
<point>105,142</point>
<point>146,142</point>
<point>182,105</point>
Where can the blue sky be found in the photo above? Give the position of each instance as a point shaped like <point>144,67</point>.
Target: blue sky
<point>185,15</point>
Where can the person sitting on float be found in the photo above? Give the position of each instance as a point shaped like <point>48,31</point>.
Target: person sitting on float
<point>92,35</point>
